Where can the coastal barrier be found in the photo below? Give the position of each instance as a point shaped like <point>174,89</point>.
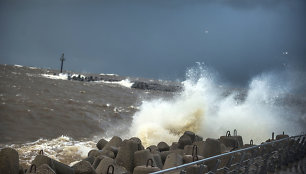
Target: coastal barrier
<point>268,157</point>
<point>190,155</point>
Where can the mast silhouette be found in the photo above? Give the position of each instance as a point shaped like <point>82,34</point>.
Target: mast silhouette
<point>62,62</point>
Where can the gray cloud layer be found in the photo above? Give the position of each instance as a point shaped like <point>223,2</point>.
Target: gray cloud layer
<point>159,39</point>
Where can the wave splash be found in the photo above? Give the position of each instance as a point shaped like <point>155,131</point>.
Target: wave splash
<point>63,149</point>
<point>209,110</point>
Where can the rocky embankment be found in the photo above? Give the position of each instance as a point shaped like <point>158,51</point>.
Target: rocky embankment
<point>156,86</point>
<point>137,84</point>
<point>129,156</point>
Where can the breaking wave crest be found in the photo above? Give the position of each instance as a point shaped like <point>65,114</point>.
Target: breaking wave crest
<point>63,149</point>
<point>209,109</point>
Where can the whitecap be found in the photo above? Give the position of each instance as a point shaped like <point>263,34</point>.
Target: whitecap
<point>63,149</point>
<point>56,77</point>
<point>125,83</point>
<point>33,67</point>
<point>102,74</point>
<point>203,108</point>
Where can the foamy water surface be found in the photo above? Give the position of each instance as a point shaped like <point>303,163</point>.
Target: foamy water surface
<point>125,83</point>
<point>52,106</point>
<point>63,149</point>
<point>204,108</point>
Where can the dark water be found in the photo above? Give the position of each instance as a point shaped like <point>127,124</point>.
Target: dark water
<point>65,118</point>
<point>33,106</point>
<point>37,112</point>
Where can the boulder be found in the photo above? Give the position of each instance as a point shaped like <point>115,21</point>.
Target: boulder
<point>90,159</point>
<point>191,135</point>
<point>191,154</point>
<point>138,141</point>
<point>21,170</point>
<point>162,146</point>
<point>140,85</point>
<point>190,158</point>
<point>232,141</point>
<point>9,161</point>
<point>249,145</point>
<point>281,136</point>
<point>111,148</point>
<point>153,149</point>
<point>200,148</point>
<point>225,149</point>
<point>157,160</point>
<point>97,161</point>
<point>172,160</point>
<point>108,153</point>
<point>58,167</point>
<point>156,86</point>
<point>188,149</point>
<point>195,169</point>
<point>198,138</point>
<point>107,165</point>
<point>146,169</point>
<point>45,169</point>
<point>164,155</point>
<point>95,153</point>
<point>83,167</point>
<point>178,151</point>
<point>125,156</point>
<point>41,159</point>
<point>174,146</point>
<point>101,143</point>
<point>211,147</point>
<point>31,169</point>
<point>115,141</point>
<point>184,140</point>
<point>141,157</point>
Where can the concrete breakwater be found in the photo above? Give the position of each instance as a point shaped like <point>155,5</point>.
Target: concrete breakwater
<point>130,156</point>
<point>137,84</point>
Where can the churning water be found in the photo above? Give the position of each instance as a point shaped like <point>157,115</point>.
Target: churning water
<point>267,105</point>
<point>40,110</point>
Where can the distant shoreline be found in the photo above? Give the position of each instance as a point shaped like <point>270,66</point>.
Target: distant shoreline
<point>137,83</point>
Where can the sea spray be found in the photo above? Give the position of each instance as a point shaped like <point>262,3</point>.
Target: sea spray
<point>269,104</point>
<point>209,109</point>
<point>165,120</point>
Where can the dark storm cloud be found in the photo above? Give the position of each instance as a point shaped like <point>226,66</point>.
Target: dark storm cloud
<point>242,4</point>
<point>155,38</point>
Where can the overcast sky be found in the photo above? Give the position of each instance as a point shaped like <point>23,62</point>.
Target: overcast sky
<point>155,38</point>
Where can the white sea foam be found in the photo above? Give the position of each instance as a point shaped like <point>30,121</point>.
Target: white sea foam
<point>60,76</point>
<point>133,107</point>
<point>203,107</point>
<point>118,109</point>
<point>63,149</point>
<point>77,75</point>
<point>102,74</point>
<point>19,66</point>
<point>125,83</point>
<point>33,67</point>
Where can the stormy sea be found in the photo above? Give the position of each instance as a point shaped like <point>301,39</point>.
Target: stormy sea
<point>65,114</point>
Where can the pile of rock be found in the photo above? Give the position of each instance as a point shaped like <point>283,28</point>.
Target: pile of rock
<point>156,86</point>
<point>129,156</point>
<point>80,77</point>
